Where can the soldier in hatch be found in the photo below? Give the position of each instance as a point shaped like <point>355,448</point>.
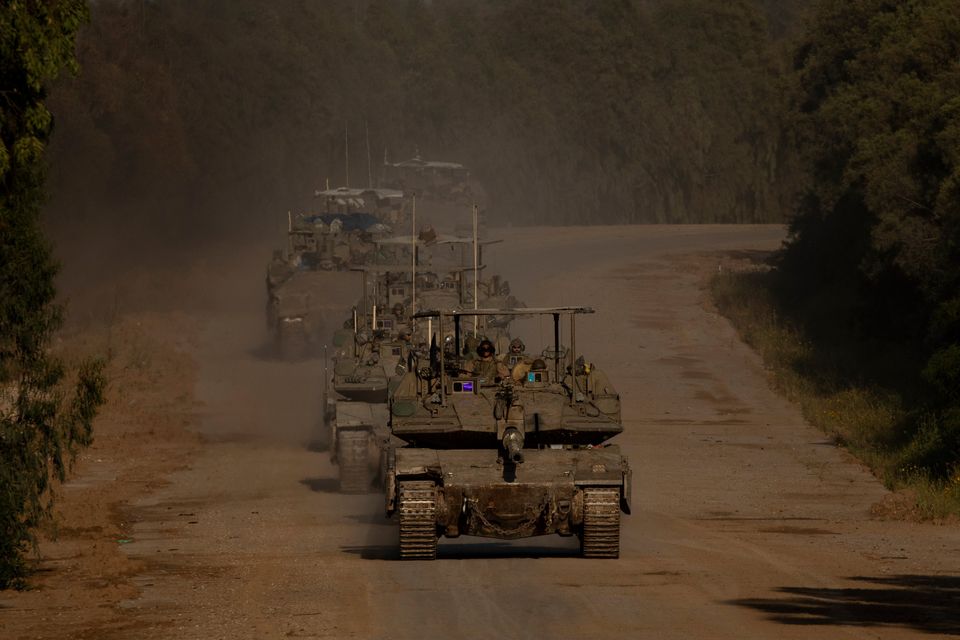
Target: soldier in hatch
<point>486,365</point>
<point>517,360</point>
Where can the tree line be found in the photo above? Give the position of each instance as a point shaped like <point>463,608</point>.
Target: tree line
<point>46,407</point>
<point>873,265</point>
<point>624,111</point>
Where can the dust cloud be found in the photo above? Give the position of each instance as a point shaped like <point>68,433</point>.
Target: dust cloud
<point>192,131</point>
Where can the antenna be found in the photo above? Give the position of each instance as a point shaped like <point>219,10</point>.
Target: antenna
<point>346,155</point>
<point>476,259</point>
<point>366,127</point>
<point>413,267</point>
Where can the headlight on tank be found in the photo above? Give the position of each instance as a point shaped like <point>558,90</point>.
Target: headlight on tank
<point>401,369</point>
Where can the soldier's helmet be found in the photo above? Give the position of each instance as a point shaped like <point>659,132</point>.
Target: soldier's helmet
<point>485,349</point>
<point>582,366</point>
<point>538,365</point>
<point>517,347</point>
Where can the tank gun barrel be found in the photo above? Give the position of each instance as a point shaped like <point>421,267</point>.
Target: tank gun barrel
<point>513,444</point>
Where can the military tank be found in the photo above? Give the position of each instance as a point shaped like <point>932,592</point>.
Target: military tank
<point>506,456</point>
<point>356,410</point>
<point>306,281</point>
<point>372,352</point>
<point>443,181</point>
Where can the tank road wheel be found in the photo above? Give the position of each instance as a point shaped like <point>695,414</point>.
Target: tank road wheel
<point>600,537</point>
<point>418,520</point>
<point>355,476</point>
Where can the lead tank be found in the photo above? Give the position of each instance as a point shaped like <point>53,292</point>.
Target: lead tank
<point>523,454</point>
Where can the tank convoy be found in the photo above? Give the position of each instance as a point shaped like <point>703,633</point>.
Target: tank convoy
<point>415,400</point>
<point>506,453</point>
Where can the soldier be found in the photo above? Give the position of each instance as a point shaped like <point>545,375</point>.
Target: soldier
<point>517,360</point>
<point>486,367</point>
<point>427,234</point>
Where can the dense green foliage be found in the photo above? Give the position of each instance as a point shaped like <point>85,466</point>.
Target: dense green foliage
<point>568,112</point>
<point>39,425</point>
<point>873,269</point>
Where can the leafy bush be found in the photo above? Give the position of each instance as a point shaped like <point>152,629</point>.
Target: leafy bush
<point>41,421</point>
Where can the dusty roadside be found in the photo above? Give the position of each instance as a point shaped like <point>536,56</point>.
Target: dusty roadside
<point>142,434</point>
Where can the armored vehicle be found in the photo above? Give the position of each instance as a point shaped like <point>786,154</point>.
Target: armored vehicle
<point>506,453</point>
<point>305,307</point>
<point>366,364</point>
<point>304,289</point>
<point>372,352</point>
<point>445,276</point>
<point>434,179</point>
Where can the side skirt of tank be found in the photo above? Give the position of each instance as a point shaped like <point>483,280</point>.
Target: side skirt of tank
<point>359,435</point>
<point>353,461</point>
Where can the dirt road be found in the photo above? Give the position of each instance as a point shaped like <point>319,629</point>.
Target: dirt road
<point>747,522</point>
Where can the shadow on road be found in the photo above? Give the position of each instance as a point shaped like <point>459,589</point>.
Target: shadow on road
<point>374,551</point>
<point>468,551</point>
<point>322,485</point>
<point>930,604</point>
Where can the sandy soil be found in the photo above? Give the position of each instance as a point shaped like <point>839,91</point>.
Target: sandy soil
<point>200,514</point>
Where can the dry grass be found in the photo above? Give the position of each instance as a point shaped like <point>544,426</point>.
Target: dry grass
<point>870,421</point>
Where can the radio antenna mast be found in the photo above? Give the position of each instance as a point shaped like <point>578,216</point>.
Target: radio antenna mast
<point>366,127</point>
<point>346,155</point>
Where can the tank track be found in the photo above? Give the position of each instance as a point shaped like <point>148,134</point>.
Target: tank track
<point>418,520</point>
<point>355,476</point>
<point>600,537</point>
